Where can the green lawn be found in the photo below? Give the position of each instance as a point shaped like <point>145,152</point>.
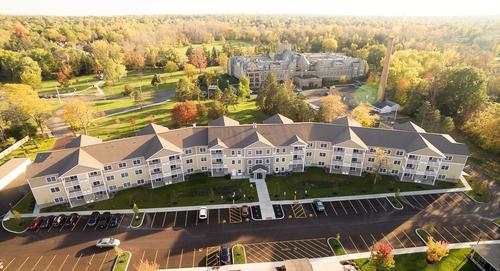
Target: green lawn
<point>395,202</point>
<point>108,128</point>
<point>198,189</point>
<point>318,183</point>
<point>122,262</point>
<point>26,204</point>
<point>239,255</point>
<point>77,83</point>
<point>365,94</point>
<point>455,261</point>
<point>30,149</point>
<point>104,105</point>
<point>336,246</point>
<point>17,225</point>
<point>480,189</point>
<point>137,222</point>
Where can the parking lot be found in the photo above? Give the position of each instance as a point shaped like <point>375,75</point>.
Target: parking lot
<point>285,250</point>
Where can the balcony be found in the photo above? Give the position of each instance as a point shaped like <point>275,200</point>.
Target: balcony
<point>217,155</point>
<point>72,183</point>
<point>357,155</point>
<point>297,162</point>
<point>298,152</point>
<point>338,152</point>
<point>434,163</point>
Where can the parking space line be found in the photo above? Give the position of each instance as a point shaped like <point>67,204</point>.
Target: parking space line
<point>362,239</point>
<point>436,200</point>
<point>333,208</point>
<point>343,207</point>
<point>180,262</point>
<point>156,255</point>
<point>475,235</point>
<point>375,240</point>
<point>218,216</point>
<point>319,245</point>
<point>440,234</point>
<point>175,218</point>
<point>103,260</point>
<point>273,252</point>
<point>121,219</point>
<point>37,262</point>
<point>48,265</point>
<point>452,235</point>
<point>84,227</point>
<point>315,249</point>
<point>459,231</point>
<point>352,242</point>
<point>78,220</point>
<point>307,252</point>
<point>387,240</point>
<point>164,218</point>
<point>314,211</point>
<point>208,217</point>
<point>360,203</point>
<point>197,215</point>
<point>77,260</point>
<point>490,230</point>
<point>426,201</point>
<point>352,205</point>
<point>385,210</point>
<point>153,220</point>
<point>409,238</point>
<point>23,263</point>
<point>168,258</point>
<point>418,202</point>
<point>194,254</point>
<point>398,239</point>
<point>50,228</point>
<point>186,219</point>
<point>65,259</point>
<point>11,261</point>
<point>90,262</point>
<point>326,213</point>
<point>373,207</point>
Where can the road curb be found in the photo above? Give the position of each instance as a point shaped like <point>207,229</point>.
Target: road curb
<point>419,236</point>
<point>473,199</point>
<point>128,262</point>
<point>244,252</point>
<point>9,230</point>
<point>396,208</point>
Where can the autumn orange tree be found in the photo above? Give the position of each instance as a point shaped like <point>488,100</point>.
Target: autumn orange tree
<point>197,58</point>
<point>382,257</point>
<point>184,113</point>
<point>436,250</point>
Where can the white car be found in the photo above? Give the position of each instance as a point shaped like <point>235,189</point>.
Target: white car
<point>203,213</point>
<point>107,242</point>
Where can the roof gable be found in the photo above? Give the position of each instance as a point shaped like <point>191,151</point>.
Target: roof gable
<point>83,140</point>
<point>160,147</point>
<point>223,121</point>
<point>79,162</point>
<point>277,119</point>
<point>254,139</point>
<point>151,129</point>
<point>408,126</point>
<point>348,138</point>
<point>422,146</point>
<point>346,121</point>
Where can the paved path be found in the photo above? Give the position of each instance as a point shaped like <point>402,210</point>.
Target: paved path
<point>57,125</point>
<point>266,206</point>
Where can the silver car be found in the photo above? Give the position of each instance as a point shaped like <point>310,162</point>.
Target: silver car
<point>107,242</point>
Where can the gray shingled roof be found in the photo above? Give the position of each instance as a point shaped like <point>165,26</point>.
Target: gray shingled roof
<point>408,126</point>
<point>151,129</point>
<point>348,138</point>
<point>223,121</point>
<point>83,140</point>
<point>158,147</point>
<point>346,121</point>
<point>79,162</point>
<point>276,119</point>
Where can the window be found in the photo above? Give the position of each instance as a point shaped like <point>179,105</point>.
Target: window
<point>372,150</point>
<point>232,153</point>
<point>338,158</point>
<point>407,174</point>
<point>58,200</point>
<point>249,162</point>
<point>268,151</point>
<point>448,158</point>
<point>352,169</point>
<point>249,152</point>
<point>127,184</point>
<point>233,162</point>
<point>110,178</point>
<point>188,151</point>
<point>55,189</point>
<point>122,164</point>
<point>354,160</point>
<point>112,187</point>
<point>283,159</point>
<point>124,174</point>
<point>277,160</point>
<point>371,159</point>
<point>204,168</point>
<point>387,151</point>
<point>73,178</point>
<point>395,171</point>
<point>356,151</point>
<point>158,170</point>
<point>136,162</point>
<point>268,161</point>
<point>239,161</point>
<point>190,170</point>
<point>203,149</point>
<point>321,163</point>
<point>96,183</point>
<point>445,167</point>
<point>93,174</point>
<point>397,162</point>
<point>442,177</point>
<point>79,197</point>
<point>369,168</point>
<point>383,170</point>
<point>276,170</point>
<point>322,154</point>
<point>409,166</point>
<point>138,172</point>
<point>155,161</point>
<point>189,161</point>
<point>258,161</point>
<point>76,187</point>
<point>411,156</point>
<point>203,159</point>
<point>339,149</point>
<point>258,152</point>
<point>309,145</point>
<point>51,179</point>
<point>323,145</point>
<point>308,154</point>
<point>107,167</point>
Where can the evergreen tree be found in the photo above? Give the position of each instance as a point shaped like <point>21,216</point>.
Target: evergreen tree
<point>244,88</point>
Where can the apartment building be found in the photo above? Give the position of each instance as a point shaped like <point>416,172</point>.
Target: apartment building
<point>307,70</point>
<point>88,170</point>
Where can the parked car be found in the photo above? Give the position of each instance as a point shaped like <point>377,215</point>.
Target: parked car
<point>35,223</point>
<point>47,222</point>
<point>115,219</point>
<point>71,221</point>
<point>318,205</point>
<point>203,213</point>
<point>225,256</point>
<point>103,220</point>
<point>58,221</point>
<point>245,211</point>
<point>107,242</point>
<point>93,219</point>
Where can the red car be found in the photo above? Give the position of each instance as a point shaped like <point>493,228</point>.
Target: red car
<point>35,223</point>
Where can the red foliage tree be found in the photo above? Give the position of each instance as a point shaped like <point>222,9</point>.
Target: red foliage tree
<point>184,113</point>
<point>133,120</point>
<point>198,58</point>
<point>201,110</point>
<point>382,257</point>
<point>62,78</point>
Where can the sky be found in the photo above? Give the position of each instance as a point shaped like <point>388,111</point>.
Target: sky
<point>305,7</point>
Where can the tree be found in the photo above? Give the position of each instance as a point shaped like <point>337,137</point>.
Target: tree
<point>78,114</point>
<point>29,72</point>
<point>379,163</point>
<point>156,81</point>
<point>229,98</point>
<point>484,129</point>
<point>171,66</point>
<point>145,265</point>
<point>184,113</point>
<point>244,88</point>
<point>461,91</point>
<point>424,113</point>
<point>361,113</point>
<point>138,97</point>
<point>382,257</point>
<point>189,70</point>
<point>198,59</point>
<point>329,45</point>
<point>136,210</point>
<point>63,79</point>
<point>436,251</point>
<point>222,59</point>
<point>16,214</point>
<point>448,125</point>
<point>112,71</point>
<point>216,110</point>
<point>127,90</point>
<point>343,79</point>
<point>201,111</point>
<point>435,120</point>
<point>118,251</point>
<point>184,89</point>
<point>331,107</point>
<point>376,54</point>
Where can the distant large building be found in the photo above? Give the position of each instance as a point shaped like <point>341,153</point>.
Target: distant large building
<point>307,70</point>
<point>89,170</point>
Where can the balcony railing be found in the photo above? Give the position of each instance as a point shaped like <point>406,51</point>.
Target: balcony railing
<point>217,155</point>
<point>357,155</point>
<point>298,152</point>
<point>433,163</point>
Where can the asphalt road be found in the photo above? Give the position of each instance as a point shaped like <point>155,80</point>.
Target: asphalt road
<point>179,239</point>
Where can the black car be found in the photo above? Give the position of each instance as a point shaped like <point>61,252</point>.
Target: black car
<point>93,219</point>
<point>115,219</point>
<point>71,221</point>
<point>225,256</point>
<point>47,222</point>
<point>103,220</point>
<point>58,221</point>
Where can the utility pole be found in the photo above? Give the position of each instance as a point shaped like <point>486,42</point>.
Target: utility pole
<point>385,71</point>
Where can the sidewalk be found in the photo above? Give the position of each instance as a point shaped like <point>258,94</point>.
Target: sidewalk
<point>266,206</point>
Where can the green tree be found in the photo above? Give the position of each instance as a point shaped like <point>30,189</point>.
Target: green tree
<point>244,88</point>
<point>216,110</point>
<point>425,113</point>
<point>29,72</point>
<point>189,70</point>
<point>229,98</point>
<point>329,45</point>
<point>184,90</point>
<point>138,97</point>
<point>484,129</point>
<point>16,214</point>
<point>448,125</point>
<point>376,54</point>
<point>135,209</point>
<point>156,81</point>
<point>171,66</point>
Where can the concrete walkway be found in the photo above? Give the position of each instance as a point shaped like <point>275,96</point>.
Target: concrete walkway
<point>266,206</point>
